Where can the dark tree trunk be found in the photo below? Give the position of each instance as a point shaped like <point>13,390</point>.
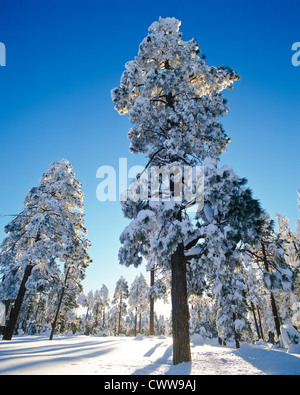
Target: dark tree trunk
<point>236,336</point>
<point>180,310</point>
<point>103,318</point>
<point>273,303</point>
<point>135,324</point>
<point>140,323</point>
<point>275,314</point>
<point>260,324</point>
<point>57,313</point>
<point>15,311</point>
<point>152,305</point>
<point>255,319</point>
<point>120,313</point>
<point>59,305</point>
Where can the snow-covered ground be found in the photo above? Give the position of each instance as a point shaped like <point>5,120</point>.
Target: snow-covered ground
<point>81,355</point>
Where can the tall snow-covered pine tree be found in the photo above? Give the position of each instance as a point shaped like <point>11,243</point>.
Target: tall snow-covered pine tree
<point>49,232</point>
<point>174,100</point>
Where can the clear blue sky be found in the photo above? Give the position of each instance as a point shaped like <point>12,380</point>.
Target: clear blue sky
<point>64,57</point>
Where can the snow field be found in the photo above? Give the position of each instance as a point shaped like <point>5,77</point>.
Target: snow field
<point>82,355</point>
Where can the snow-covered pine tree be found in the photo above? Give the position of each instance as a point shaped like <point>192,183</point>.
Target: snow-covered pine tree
<point>255,298</point>
<point>291,241</point>
<point>104,294</point>
<point>112,320</point>
<point>290,301</point>
<point>98,309</point>
<point>296,317</point>
<point>269,255</point>
<point>159,289</point>
<point>138,298</point>
<point>48,232</point>
<point>173,98</point>
<point>203,311</point>
<point>120,295</point>
<point>88,302</point>
<point>70,287</point>
<point>230,220</point>
<point>232,305</point>
<point>98,301</point>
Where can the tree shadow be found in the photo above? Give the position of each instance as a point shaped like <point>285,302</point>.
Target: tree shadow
<point>271,362</point>
<point>152,350</point>
<point>153,366</point>
<point>44,355</point>
<point>166,360</point>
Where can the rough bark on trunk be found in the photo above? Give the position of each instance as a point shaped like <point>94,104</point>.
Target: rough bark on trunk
<point>236,336</point>
<point>260,324</point>
<point>275,314</point>
<point>180,311</point>
<point>59,305</point>
<point>151,329</point>
<point>255,319</point>
<point>272,298</point>
<point>15,311</point>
